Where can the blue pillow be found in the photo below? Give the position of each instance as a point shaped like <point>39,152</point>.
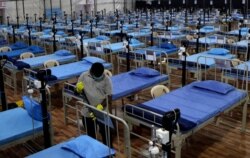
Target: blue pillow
<point>134,41</point>
<point>33,108</point>
<point>214,86</point>
<point>167,46</point>
<point>218,51</point>
<point>93,60</point>
<point>63,52</point>
<point>105,38</point>
<point>87,147</point>
<point>60,33</point>
<point>145,72</point>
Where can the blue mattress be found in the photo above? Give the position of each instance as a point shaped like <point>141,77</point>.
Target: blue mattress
<point>117,47</point>
<point>211,40</point>
<point>196,105</point>
<point>94,40</point>
<point>111,33</point>
<point>18,45</point>
<point>209,61</point>
<point>172,36</point>
<point>236,33</point>
<point>241,44</point>
<point>71,70</point>
<point>38,61</point>
<point>127,83</point>
<point>157,50</point>
<point>17,53</point>
<point>57,151</point>
<point>139,34</point>
<point>15,124</point>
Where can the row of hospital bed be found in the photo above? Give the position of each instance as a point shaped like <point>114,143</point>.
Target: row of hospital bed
<point>195,113</point>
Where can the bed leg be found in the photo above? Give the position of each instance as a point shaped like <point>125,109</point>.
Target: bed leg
<point>65,110</point>
<point>178,151</point>
<point>244,117</point>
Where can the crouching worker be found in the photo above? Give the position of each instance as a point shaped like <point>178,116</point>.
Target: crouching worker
<point>95,86</point>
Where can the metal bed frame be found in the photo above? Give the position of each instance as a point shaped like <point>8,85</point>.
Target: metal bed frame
<point>68,95</point>
<point>34,135</point>
<point>12,71</point>
<point>118,123</point>
<point>178,138</point>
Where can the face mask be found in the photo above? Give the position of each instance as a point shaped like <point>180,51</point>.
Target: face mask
<point>98,78</point>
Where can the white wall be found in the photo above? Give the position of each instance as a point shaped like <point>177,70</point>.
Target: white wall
<point>36,6</point>
<point>31,7</point>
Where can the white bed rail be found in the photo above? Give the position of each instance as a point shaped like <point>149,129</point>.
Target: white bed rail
<point>121,138</point>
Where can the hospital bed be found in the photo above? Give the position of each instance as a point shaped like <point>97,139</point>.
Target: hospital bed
<point>174,37</point>
<point>154,54</point>
<point>36,50</point>
<point>207,60</point>
<point>19,125</point>
<point>65,72</point>
<point>90,148</point>
<point>244,32</point>
<point>18,45</point>
<point>87,147</point>
<point>209,30</point>
<point>13,67</point>
<point>241,48</point>
<point>124,84</point>
<point>95,40</point>
<point>200,103</point>
<point>105,48</point>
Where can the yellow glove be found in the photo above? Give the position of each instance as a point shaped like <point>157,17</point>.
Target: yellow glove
<point>92,116</point>
<point>99,107</point>
<point>79,87</point>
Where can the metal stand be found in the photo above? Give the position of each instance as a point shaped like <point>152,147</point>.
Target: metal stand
<point>198,36</point>
<point>117,21</point>
<point>184,63</point>
<point>27,20</point>
<point>54,37</point>
<point>17,22</point>
<point>121,27</point>
<point>8,21</point>
<point>96,20</point>
<point>40,19</point>
<point>29,29</point>
<point>128,52</point>
<point>152,34</point>
<point>66,19</point>
<point>41,76</point>
<point>137,20</point>
<point>81,46</point>
<point>81,18</point>
<point>35,17</point>
<point>72,27</point>
<point>240,26</point>
<point>14,34</point>
<point>169,122</point>
<point>91,28</point>
<point>2,88</point>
